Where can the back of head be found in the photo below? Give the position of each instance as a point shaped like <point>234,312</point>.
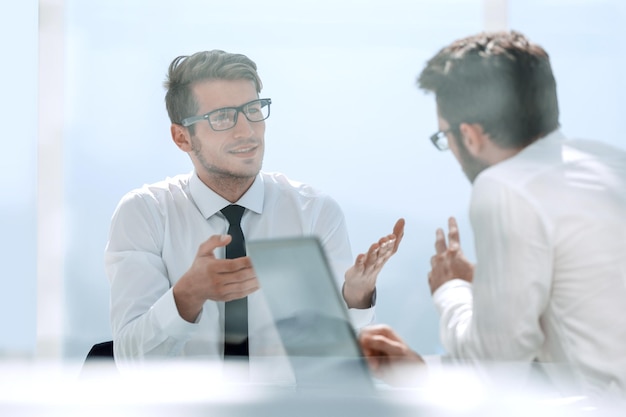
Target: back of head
<point>499,80</point>
<point>186,70</point>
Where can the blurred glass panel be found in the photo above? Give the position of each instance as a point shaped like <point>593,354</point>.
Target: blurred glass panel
<point>585,40</point>
<point>18,179</point>
<point>346,118</point>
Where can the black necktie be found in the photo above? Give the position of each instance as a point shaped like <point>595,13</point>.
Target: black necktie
<point>236,311</point>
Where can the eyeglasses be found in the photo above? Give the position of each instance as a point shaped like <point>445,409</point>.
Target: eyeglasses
<point>440,139</point>
<point>226,117</point>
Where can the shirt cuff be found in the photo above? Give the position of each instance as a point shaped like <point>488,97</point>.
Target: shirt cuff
<point>361,317</point>
<point>169,320</point>
<point>456,290</point>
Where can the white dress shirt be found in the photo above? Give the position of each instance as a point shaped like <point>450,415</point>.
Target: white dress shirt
<point>154,236</point>
<point>550,279</point>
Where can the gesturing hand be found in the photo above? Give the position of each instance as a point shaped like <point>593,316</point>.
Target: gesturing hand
<point>448,262</point>
<point>360,279</point>
<point>210,278</point>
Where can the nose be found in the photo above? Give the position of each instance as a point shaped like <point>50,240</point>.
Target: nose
<point>243,127</point>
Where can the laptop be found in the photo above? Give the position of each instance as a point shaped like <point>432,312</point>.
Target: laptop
<point>309,313</point>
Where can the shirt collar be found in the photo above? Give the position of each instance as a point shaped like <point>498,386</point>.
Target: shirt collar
<point>209,202</point>
<point>542,144</point>
<point>554,136</point>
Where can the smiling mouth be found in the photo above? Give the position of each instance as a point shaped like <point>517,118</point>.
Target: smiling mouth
<point>245,150</point>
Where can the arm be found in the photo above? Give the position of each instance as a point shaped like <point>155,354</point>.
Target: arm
<point>360,277</point>
<point>495,314</point>
<point>140,287</point>
<point>148,317</point>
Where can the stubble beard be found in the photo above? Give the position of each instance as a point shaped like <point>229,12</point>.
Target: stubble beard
<point>218,174</point>
<point>471,166</point>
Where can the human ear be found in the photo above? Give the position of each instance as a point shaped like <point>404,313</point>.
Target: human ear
<point>473,137</point>
<point>180,136</point>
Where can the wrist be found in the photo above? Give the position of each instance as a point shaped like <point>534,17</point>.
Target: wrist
<point>358,299</point>
<point>187,303</point>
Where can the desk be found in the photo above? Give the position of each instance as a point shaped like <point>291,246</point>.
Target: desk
<point>186,389</point>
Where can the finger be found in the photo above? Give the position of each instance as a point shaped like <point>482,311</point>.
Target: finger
<point>386,346</point>
<point>366,339</point>
<point>207,247</point>
<point>453,234</point>
<point>229,266</point>
<point>225,272</point>
<point>364,343</point>
<point>372,356</point>
<point>398,231</point>
<point>386,248</point>
<point>379,329</point>
<point>371,256</point>
<point>358,267</point>
<point>235,290</point>
<point>389,244</point>
<point>440,242</point>
<point>360,262</point>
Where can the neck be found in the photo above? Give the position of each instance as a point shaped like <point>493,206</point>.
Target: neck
<point>496,154</point>
<point>228,187</point>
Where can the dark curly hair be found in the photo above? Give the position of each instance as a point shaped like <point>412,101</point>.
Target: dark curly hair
<point>499,80</point>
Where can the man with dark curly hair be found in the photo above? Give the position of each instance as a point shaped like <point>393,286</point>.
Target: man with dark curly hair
<point>549,222</point>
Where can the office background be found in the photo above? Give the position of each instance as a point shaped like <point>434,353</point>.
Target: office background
<point>82,110</point>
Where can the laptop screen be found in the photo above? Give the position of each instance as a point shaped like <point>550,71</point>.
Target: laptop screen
<point>309,312</point>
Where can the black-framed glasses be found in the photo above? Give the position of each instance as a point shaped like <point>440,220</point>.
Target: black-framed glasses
<point>440,139</point>
<point>226,117</point>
